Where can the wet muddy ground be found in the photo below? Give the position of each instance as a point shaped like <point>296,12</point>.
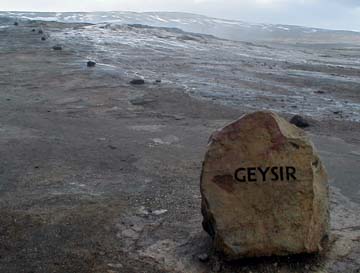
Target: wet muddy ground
<point>316,80</point>
<point>98,175</point>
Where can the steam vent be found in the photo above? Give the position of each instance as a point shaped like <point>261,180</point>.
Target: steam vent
<point>264,189</point>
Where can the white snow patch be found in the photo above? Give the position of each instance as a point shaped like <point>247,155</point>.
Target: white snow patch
<point>283,28</point>
<point>226,22</point>
<point>158,18</point>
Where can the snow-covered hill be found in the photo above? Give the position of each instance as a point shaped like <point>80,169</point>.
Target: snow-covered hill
<point>227,29</point>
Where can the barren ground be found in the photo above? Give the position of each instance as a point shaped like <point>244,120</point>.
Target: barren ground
<point>97,175</point>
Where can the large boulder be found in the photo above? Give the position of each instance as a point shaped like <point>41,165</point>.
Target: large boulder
<point>264,189</point>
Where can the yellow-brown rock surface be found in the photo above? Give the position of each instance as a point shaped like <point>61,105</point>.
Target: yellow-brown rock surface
<point>264,189</point>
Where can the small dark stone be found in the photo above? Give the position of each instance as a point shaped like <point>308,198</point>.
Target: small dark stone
<point>16,24</point>
<point>137,81</point>
<point>319,92</point>
<point>33,30</point>
<point>112,147</point>
<point>337,112</point>
<point>91,63</point>
<point>57,47</point>
<point>41,31</point>
<point>299,121</point>
<point>203,257</point>
<point>158,81</point>
<point>43,38</point>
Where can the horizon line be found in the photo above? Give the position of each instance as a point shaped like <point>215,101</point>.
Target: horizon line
<point>185,12</point>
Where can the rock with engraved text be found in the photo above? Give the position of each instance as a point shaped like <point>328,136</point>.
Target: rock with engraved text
<point>264,189</point>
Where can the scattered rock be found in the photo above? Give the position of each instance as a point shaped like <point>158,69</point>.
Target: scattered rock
<point>33,30</point>
<point>319,92</point>
<point>57,47</point>
<point>143,211</point>
<point>337,112</point>
<point>167,140</point>
<point>43,38</point>
<point>137,81</point>
<point>112,147</point>
<point>263,189</point>
<point>16,24</point>
<point>91,63</point>
<point>178,117</point>
<point>158,81</point>
<point>40,31</point>
<point>203,257</point>
<point>159,211</point>
<point>299,121</point>
<point>115,265</point>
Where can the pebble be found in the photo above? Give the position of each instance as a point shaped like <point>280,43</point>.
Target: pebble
<point>57,47</point>
<point>160,211</point>
<point>43,38</point>
<point>91,63</point>
<point>137,81</point>
<point>203,257</point>
<point>112,147</point>
<point>299,121</point>
<point>115,265</point>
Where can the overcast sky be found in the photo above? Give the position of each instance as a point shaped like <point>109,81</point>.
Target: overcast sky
<point>334,14</point>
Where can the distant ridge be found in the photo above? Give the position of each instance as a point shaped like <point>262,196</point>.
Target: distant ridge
<point>222,28</point>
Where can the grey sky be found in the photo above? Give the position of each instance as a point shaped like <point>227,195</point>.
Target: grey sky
<point>335,14</point>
